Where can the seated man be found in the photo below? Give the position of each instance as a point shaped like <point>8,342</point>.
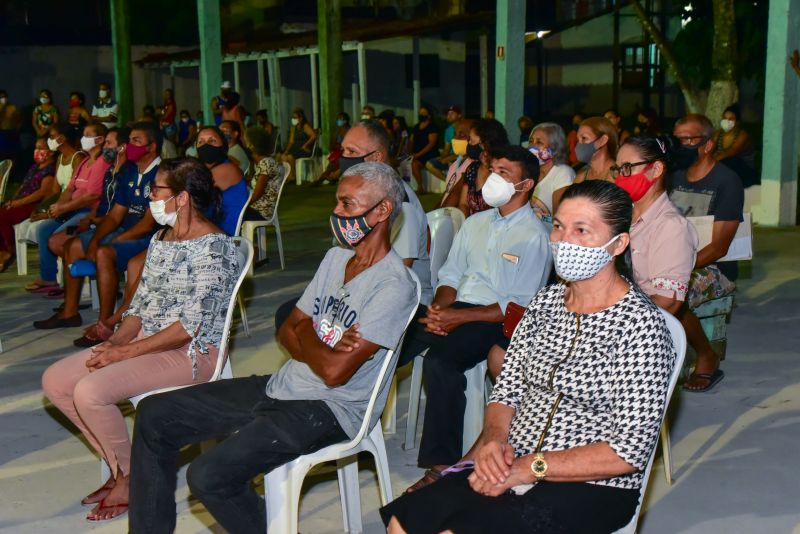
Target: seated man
<point>706,187</point>
<point>129,225</point>
<point>499,256</point>
<point>352,313</point>
<point>368,141</point>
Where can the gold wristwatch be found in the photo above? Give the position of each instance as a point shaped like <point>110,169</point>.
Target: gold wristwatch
<point>539,466</point>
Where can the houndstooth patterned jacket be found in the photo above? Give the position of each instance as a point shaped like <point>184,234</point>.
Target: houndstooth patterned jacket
<point>599,377</point>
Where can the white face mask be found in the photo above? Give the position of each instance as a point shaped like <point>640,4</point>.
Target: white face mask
<point>295,121</point>
<point>576,262</point>
<point>52,144</point>
<point>3,101</point>
<point>496,191</point>
<point>365,117</point>
<point>44,99</point>
<point>158,211</point>
<point>102,93</point>
<point>727,125</point>
<point>88,143</point>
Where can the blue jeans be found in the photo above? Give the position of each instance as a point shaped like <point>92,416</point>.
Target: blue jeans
<point>125,249</point>
<point>263,433</point>
<point>48,262</point>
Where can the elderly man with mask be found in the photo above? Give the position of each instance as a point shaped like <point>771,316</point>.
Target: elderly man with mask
<point>500,256</point>
<point>702,186</point>
<point>352,313</point>
<point>368,141</point>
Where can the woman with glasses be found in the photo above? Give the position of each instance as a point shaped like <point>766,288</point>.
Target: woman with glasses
<point>663,242</point>
<point>169,336</point>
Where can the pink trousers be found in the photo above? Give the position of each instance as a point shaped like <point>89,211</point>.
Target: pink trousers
<point>89,399</point>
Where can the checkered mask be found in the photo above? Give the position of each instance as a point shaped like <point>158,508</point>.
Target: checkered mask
<point>576,262</point>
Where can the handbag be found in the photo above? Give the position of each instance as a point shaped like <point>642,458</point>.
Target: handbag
<point>514,313</point>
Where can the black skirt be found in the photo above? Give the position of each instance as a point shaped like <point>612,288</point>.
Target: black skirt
<point>547,508</point>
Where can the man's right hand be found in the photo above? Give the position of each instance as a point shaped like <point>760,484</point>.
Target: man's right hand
<point>91,250</point>
<point>83,225</point>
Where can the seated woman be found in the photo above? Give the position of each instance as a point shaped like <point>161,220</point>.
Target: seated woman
<point>170,335</point>
<point>575,414</point>
<point>212,150</point>
<point>267,177</point>
<point>302,137</point>
<point>39,183</point>
<point>454,179</point>
<point>484,135</point>
<point>597,148</point>
<point>734,147</point>
<point>548,144</point>
<point>663,242</point>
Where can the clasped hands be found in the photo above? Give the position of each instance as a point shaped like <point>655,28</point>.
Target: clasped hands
<point>442,320</point>
<point>497,470</point>
<point>107,353</point>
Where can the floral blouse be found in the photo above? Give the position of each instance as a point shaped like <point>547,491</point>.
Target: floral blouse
<point>265,205</point>
<point>190,282</point>
<point>33,179</point>
<point>475,201</point>
<point>588,378</point>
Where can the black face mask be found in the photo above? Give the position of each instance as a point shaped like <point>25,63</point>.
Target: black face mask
<point>345,162</point>
<point>474,152</point>
<point>423,118</point>
<point>685,156</point>
<point>210,154</point>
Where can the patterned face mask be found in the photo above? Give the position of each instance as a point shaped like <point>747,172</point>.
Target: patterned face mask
<point>350,231</point>
<point>576,262</point>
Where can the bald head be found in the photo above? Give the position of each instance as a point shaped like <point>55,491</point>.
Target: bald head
<point>367,138</point>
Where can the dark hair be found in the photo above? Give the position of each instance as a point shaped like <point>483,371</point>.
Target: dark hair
<point>654,147</point>
<point>216,130</point>
<point>402,121</point>
<point>185,112</point>
<point>387,115</point>
<point>377,133</point>
<point>492,133</point>
<point>100,129</point>
<point>190,175</point>
<point>70,134</point>
<point>81,97</point>
<point>259,139</point>
<point>699,119</point>
<point>517,154</point>
<point>123,134</point>
<point>652,119</point>
<point>47,93</point>
<point>261,113</point>
<point>616,210</point>
<point>152,132</point>
<point>300,113</point>
<point>735,109</point>
<point>234,126</point>
<point>345,116</point>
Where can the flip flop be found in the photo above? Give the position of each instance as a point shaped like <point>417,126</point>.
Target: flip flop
<point>713,379</point>
<point>99,494</point>
<point>34,287</point>
<point>118,510</point>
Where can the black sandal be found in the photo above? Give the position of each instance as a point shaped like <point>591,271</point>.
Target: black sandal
<point>430,476</point>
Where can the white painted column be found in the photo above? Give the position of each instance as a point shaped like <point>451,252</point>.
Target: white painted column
<point>416,87</point>
<point>236,77</point>
<point>483,46</point>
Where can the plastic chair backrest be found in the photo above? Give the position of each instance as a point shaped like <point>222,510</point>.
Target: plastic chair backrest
<point>5,172</point>
<point>444,224</point>
<point>241,213</point>
<point>679,342</point>
<point>286,170</point>
<point>276,140</point>
<point>244,252</point>
<point>385,373</point>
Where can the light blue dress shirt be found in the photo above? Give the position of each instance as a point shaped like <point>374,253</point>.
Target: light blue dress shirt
<point>496,259</point>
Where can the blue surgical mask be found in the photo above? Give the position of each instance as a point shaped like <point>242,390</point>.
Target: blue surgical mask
<point>340,122</point>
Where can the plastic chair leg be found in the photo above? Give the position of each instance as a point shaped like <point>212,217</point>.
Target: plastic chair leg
<point>243,313</point>
<point>473,414</point>
<point>413,403</point>
<point>377,446</point>
<point>247,233</point>
<point>22,255</point>
<point>279,241</point>
<point>389,416</point>
<point>281,501</point>
<point>666,451</point>
<point>350,493</point>
<point>94,294</point>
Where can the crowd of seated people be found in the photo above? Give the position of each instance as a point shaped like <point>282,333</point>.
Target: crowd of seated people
<point>608,243</point>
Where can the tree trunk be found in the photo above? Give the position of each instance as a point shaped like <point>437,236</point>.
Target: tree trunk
<point>693,103</point>
<point>724,89</point>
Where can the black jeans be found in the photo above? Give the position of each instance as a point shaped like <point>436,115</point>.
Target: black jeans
<point>263,434</point>
<point>447,359</point>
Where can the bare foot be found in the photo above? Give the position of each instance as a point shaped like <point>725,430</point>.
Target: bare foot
<point>114,504</point>
<point>100,493</point>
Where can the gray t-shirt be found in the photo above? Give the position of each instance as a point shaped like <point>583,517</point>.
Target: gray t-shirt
<point>380,300</point>
<point>410,241</point>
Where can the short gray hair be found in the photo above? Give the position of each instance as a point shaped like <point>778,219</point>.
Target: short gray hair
<point>705,124</point>
<point>558,141</point>
<point>383,180</point>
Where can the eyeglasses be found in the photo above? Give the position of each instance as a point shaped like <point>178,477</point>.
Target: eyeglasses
<point>687,139</point>
<point>625,168</point>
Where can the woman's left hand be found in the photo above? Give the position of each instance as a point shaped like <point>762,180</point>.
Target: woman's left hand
<point>107,353</point>
<point>520,474</point>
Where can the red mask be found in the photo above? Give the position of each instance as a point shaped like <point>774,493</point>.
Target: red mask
<point>135,153</point>
<point>636,185</point>
<point>40,155</point>
<point>74,103</point>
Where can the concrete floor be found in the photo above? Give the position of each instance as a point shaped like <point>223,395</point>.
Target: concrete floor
<point>735,455</point>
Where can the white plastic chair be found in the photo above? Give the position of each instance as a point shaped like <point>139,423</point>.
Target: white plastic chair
<point>307,169</point>
<point>444,224</point>
<point>282,485</point>
<point>5,172</point>
<point>679,341</point>
<point>250,228</point>
<point>223,368</point>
